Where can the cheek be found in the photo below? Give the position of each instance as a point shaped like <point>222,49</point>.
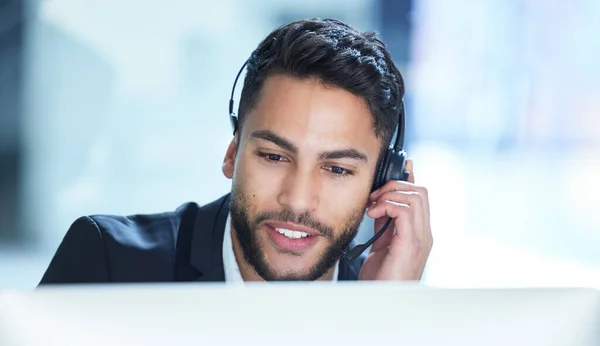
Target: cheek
<point>339,205</point>
<point>346,192</point>
<point>259,185</point>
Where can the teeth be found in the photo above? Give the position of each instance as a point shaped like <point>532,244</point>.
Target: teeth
<point>291,234</point>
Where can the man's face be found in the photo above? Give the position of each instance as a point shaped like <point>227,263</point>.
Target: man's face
<point>301,177</point>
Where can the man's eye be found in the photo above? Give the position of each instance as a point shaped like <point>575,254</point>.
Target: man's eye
<point>274,157</point>
<point>339,171</point>
<point>271,158</point>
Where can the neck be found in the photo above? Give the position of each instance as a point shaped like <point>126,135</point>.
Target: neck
<point>247,271</point>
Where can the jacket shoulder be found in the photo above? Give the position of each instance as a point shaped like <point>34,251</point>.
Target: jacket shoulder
<point>141,247</point>
<point>80,257</point>
<point>144,231</point>
<point>111,248</point>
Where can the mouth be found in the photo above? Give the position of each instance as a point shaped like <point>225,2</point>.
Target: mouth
<point>292,234</point>
<point>291,237</point>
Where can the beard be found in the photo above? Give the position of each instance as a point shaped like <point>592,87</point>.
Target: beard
<point>247,228</point>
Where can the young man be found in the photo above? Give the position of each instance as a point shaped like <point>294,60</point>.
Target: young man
<point>319,107</point>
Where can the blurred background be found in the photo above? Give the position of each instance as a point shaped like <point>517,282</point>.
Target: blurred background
<point>119,107</point>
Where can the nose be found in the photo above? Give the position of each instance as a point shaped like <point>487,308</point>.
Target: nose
<point>300,191</point>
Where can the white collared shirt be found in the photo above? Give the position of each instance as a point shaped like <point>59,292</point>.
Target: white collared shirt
<point>232,270</point>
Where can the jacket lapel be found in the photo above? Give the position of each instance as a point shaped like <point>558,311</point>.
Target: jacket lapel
<point>206,253</point>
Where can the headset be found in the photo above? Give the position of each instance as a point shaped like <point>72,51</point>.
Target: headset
<point>391,167</point>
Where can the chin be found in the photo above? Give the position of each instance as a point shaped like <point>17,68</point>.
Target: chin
<point>284,266</point>
<point>282,262</point>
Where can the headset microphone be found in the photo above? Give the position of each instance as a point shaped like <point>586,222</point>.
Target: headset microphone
<point>391,167</point>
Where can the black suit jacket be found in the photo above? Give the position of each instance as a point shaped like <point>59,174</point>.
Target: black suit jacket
<point>183,245</point>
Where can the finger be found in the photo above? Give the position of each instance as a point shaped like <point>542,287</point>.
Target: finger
<point>409,169</point>
<point>401,241</point>
<point>404,238</point>
<point>419,209</point>
<point>386,238</point>
<point>401,196</point>
<point>412,198</point>
<point>415,202</point>
<point>396,185</point>
<point>389,209</point>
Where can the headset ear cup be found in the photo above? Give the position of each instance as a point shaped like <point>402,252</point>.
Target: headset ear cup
<point>396,169</point>
<point>234,122</point>
<point>380,173</point>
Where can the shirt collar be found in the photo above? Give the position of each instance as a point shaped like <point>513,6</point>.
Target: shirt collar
<point>232,270</point>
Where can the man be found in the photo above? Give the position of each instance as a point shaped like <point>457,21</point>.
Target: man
<point>319,106</point>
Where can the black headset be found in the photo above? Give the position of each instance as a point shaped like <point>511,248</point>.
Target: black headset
<point>392,167</point>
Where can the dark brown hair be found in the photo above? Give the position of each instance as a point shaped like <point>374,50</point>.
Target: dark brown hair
<point>336,54</point>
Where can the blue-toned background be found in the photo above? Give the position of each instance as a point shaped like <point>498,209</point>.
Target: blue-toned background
<point>120,107</point>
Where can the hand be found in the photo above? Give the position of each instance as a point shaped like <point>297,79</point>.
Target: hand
<point>400,255</point>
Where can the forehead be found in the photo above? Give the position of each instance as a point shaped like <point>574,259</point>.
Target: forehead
<point>309,113</point>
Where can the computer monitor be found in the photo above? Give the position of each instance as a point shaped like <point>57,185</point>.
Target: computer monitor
<point>307,314</point>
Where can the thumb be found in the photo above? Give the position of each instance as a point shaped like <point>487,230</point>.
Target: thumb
<point>410,169</point>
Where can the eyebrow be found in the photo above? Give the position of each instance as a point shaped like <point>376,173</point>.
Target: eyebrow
<point>344,154</point>
<point>278,140</point>
<point>270,136</point>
